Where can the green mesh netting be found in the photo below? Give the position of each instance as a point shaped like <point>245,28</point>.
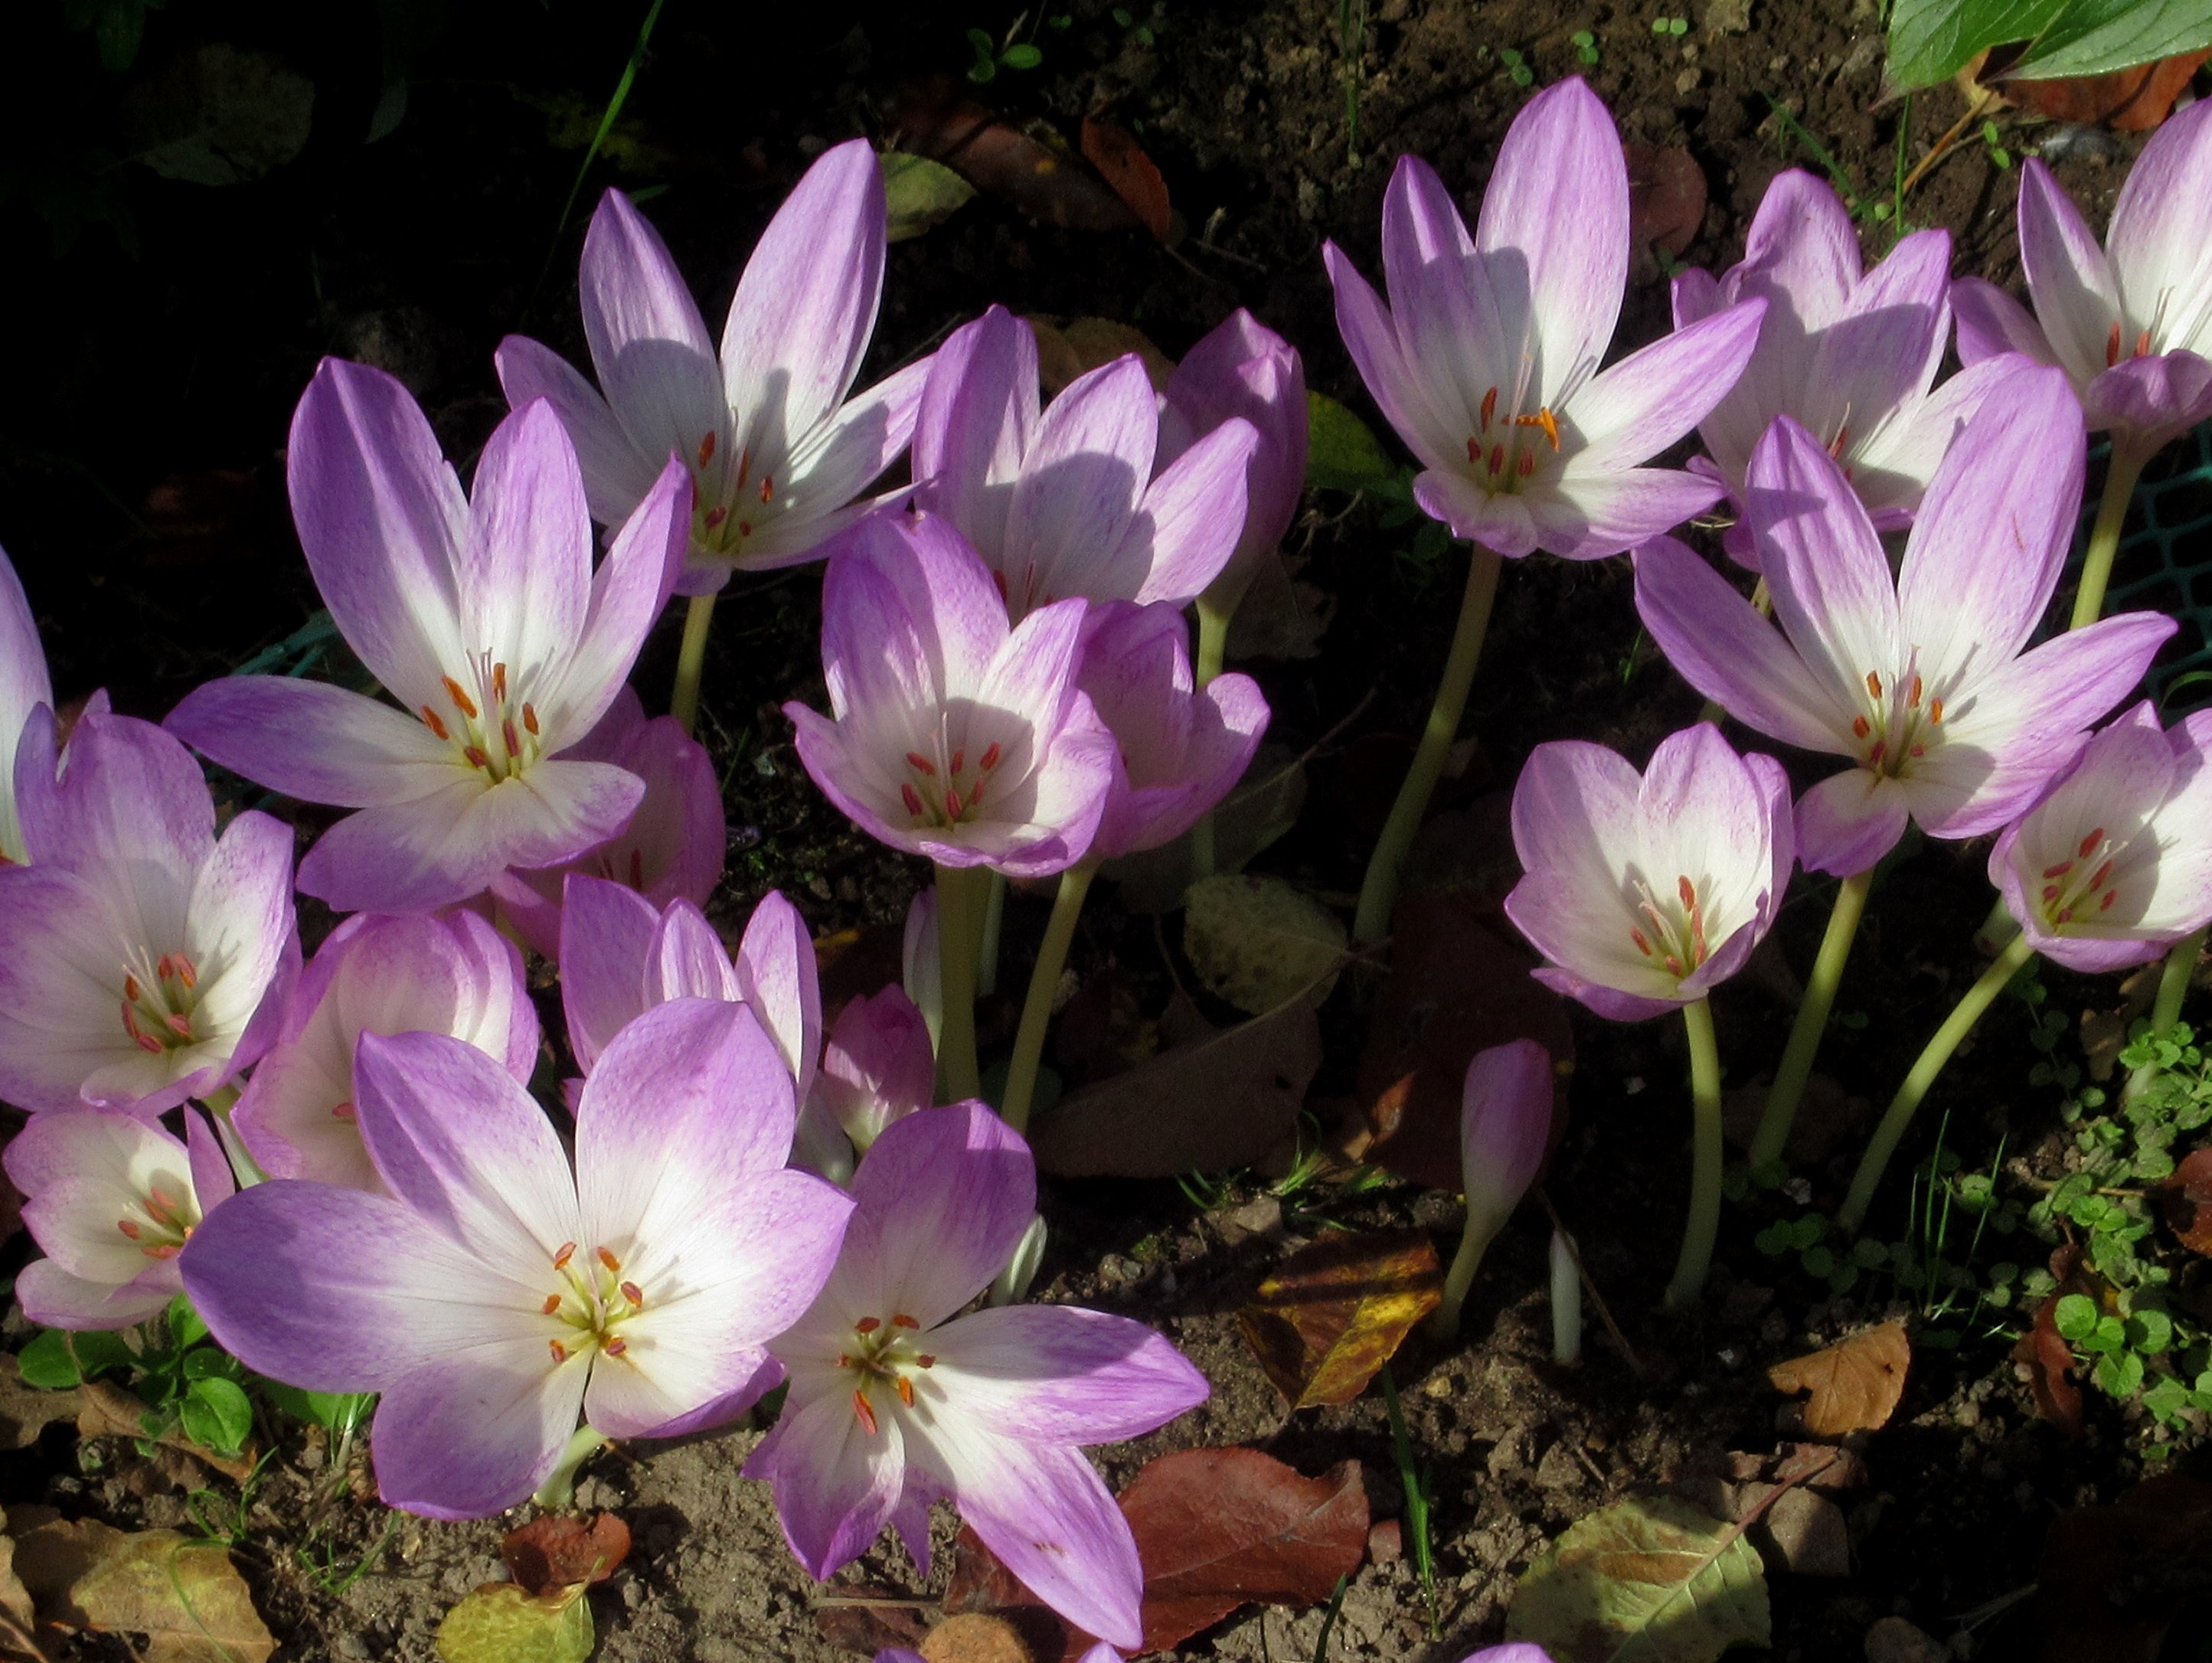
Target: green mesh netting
<point>2165,562</point>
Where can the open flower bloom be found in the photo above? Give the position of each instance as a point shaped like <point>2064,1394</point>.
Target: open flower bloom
<point>878,1066</point>
<point>673,846</point>
<point>145,960</point>
<point>24,689</point>
<point>1486,358</point>
<point>954,736</point>
<point>111,1198</point>
<point>1062,502</point>
<point>1178,750</point>
<point>414,972</point>
<point>491,1292</point>
<point>2114,866</point>
<point>1852,357</point>
<point>1921,680</point>
<point>1647,891</point>
<point>2129,323</point>
<point>1504,1130</point>
<point>1243,369</point>
<point>776,453</point>
<point>896,1400</point>
<point>483,618</point>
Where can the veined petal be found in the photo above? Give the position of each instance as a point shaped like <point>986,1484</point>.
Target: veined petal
<point>1849,820</point>
<point>777,977</point>
<point>1803,252</point>
<point>24,687</point>
<point>629,289</point>
<point>527,575</point>
<point>2076,300</point>
<point>1191,519</point>
<point>1594,512</point>
<point>467,1436</point>
<point>1502,524</point>
<point>1639,406</point>
<point>131,809</point>
<point>1992,322</point>
<point>843,457</point>
<point>628,593</point>
<point>1396,384</point>
<point>1888,347</point>
<point>1446,317</point>
<point>2159,397</point>
<point>910,615</point>
<point>1898,460</point>
<point>978,416</point>
<point>606,931</point>
<point>616,474</point>
<point>950,1192</point>
<point>1055,1375</point>
<point>686,960</point>
<point>53,1298</point>
<point>239,920</point>
<point>316,741</point>
<point>835,1481</point>
<point>1079,488</point>
<point>2162,226</point>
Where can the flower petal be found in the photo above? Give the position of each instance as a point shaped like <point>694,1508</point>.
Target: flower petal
<point>1191,519</point>
<point>1990,322</point>
<point>1849,820</point>
<point>1055,1375</point>
<point>1637,408</point>
<point>616,474</point>
<point>1597,512</point>
<point>606,931</point>
<point>1370,336</point>
<point>628,593</point>
<point>316,741</point>
<point>2076,300</point>
<point>979,414</point>
<point>777,978</point>
<point>527,577</point>
<point>950,1192</point>
<point>836,1482</point>
<point>2162,226</point>
<point>1079,488</point>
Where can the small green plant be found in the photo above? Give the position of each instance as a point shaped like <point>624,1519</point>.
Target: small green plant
<point>993,56</point>
<point>1585,45</point>
<point>1419,1486</point>
<point>1517,67</point>
<point>1675,27</point>
<point>1140,32</point>
<point>1995,144</point>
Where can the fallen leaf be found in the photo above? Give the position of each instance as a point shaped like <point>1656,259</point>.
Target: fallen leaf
<point>1334,1312</point>
<point>1265,805</point>
<point>2132,101</point>
<point>868,1617</point>
<point>976,1637</point>
<point>1656,1580</point>
<point>1281,616</point>
<point>19,1639</point>
<point>500,1623</point>
<point>26,1411</point>
<point>2187,1197</point>
<point>219,115</point>
<point>1216,1102</point>
<point>556,1551</point>
<point>2113,1579</point>
<point>2044,1350</point>
<point>918,193</point>
<point>109,1411</point>
<point>1855,1383</point>
<point>1665,204</point>
<point>1455,987</point>
<point>1259,940</point>
<point>1342,452</point>
<point>1036,174</point>
<point>186,1597</point>
<point>1121,162</point>
<point>1070,347</point>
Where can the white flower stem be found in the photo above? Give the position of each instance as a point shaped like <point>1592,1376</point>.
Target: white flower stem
<point>559,1490</point>
<point>960,892</point>
<point>2166,1011</point>
<point>1044,981</point>
<point>1378,891</point>
<point>1566,1302</point>
<point>1812,1021</point>
<point>691,662</point>
<point>1705,1226</point>
<point>1476,1237</point>
<point>1212,646</point>
<point>2120,476</point>
<point>1977,999</point>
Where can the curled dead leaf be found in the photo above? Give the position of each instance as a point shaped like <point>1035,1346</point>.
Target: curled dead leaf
<point>2112,1580</point>
<point>1034,172</point>
<point>2043,1351</point>
<point>1336,1312</point>
<point>555,1550</point>
<point>26,1411</point>
<point>1653,1579</point>
<point>2187,1197</point>
<point>1121,162</point>
<point>1665,204</point>
<point>1856,1384</point>
<point>186,1597</point>
<point>2131,100</point>
<point>110,1411</point>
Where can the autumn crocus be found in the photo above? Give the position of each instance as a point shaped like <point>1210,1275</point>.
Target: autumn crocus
<point>492,1293</point>
<point>1061,500</point>
<point>1646,891</point>
<point>417,972</point>
<point>111,1198</point>
<point>878,1066</point>
<point>953,736</point>
<point>24,689</point>
<point>776,452</point>
<point>897,1400</point>
<point>1851,354</point>
<point>673,846</point>
<point>484,619</point>
<point>1485,361</point>
<point>142,960</point>
<point>1505,1129</point>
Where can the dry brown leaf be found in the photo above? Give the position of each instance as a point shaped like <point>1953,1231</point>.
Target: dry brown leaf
<point>976,1637</point>
<point>186,1597</point>
<point>2188,1200</point>
<point>2132,101</point>
<point>2044,1350</point>
<point>555,1550</point>
<point>2113,1579</point>
<point>1121,162</point>
<point>19,1640</point>
<point>27,1411</point>
<point>1855,1383</point>
<point>110,1411</point>
<point>1336,1312</point>
<point>1069,347</point>
<point>1033,171</point>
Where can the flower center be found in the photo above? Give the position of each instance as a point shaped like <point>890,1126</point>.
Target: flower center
<point>1503,454</point>
<point>725,508</point>
<point>2079,885</point>
<point>161,1223</point>
<point>1673,933</point>
<point>490,729</point>
<point>942,791</point>
<point>158,1002</point>
<point>592,1302</point>
<point>1898,722</point>
<point>883,1354</point>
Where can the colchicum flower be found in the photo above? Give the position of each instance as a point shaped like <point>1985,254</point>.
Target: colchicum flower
<point>1852,355</point>
<point>1921,680</point>
<point>483,618</point>
<point>24,689</point>
<point>112,1200</point>
<point>878,1066</point>
<point>672,847</point>
<point>491,1292</point>
<point>1504,1132</point>
<point>776,451</point>
<point>951,736</point>
<point>896,1400</point>
<point>2129,323</point>
<point>1486,358</point>
<point>142,960</point>
<point>1062,502</point>
<point>2114,866</point>
<point>415,972</point>
<point>1647,891</point>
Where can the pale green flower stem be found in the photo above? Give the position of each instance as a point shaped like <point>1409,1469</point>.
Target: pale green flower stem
<point>1812,1021</point>
<point>558,1492</point>
<point>691,662</point>
<point>243,1167</point>
<point>1044,981</point>
<point>1378,892</point>
<point>2120,477</point>
<point>1213,647</point>
<point>2165,1009</point>
<point>1475,1240</point>
<point>961,895</point>
<point>1705,1156</point>
<point>1977,999</point>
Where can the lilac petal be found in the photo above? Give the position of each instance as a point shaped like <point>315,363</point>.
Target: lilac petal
<point>58,984</point>
<point>686,960</point>
<point>629,288</point>
<point>846,455</point>
<point>1898,460</point>
<point>1054,1374</point>
<point>24,687</point>
<point>777,977</point>
<point>1242,367</point>
<point>527,577</point>
<point>1607,1002</point>
<point>316,741</point>
<point>1191,519</point>
<point>239,919</point>
<point>1596,512</point>
<point>836,1483</point>
<point>1371,337</point>
<point>383,523</point>
<point>1080,487</point>
<point>1849,820</point>
<point>1695,296</point>
<point>951,1191</point>
<point>1502,524</point>
<point>606,931</point>
<point>213,1180</point>
<point>837,768</point>
<point>979,413</point>
<point>132,806</point>
<point>2076,300</point>
<point>2160,397</point>
<point>2162,224</point>
<point>470,1435</point>
<point>910,613</point>
<point>1505,1127</point>
<point>1802,250</point>
<point>1639,406</point>
<point>80,1170</point>
<point>1990,322</point>
<point>617,475</point>
<point>53,1298</point>
<point>1446,315</point>
<point>1833,594</point>
<point>628,593</point>
<point>1887,349</point>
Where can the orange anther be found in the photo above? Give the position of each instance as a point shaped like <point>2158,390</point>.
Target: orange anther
<point>460,695</point>
<point>989,760</point>
<point>530,721</point>
<point>476,756</point>
<point>615,1347</point>
<point>914,759</point>
<point>903,1320</point>
<point>613,1264</point>
<point>863,1413</point>
<point>707,448</point>
<point>552,1304</point>
<point>2112,345</point>
<point>559,1351</point>
<point>1873,685</point>
<point>1489,409</point>
<point>867,1325</point>
<point>499,682</point>
<point>2089,843</point>
<point>566,1252</point>
<point>434,722</point>
<point>905,1391</point>
<point>633,1293</point>
<point>912,798</point>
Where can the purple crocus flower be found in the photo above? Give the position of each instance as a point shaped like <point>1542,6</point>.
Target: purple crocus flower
<point>952,736</point>
<point>1178,750</point>
<point>143,960</point>
<point>1647,891</point>
<point>776,452</point>
<point>111,1198</point>
<point>24,689</point>
<point>878,1066</point>
<point>673,845</point>
<point>2129,323</point>
<point>1062,502</point>
<point>1920,680</point>
<point>414,972</point>
<point>492,1293</point>
<point>484,619</point>
<point>896,1400</point>
<point>1243,369</point>
<point>1486,358</point>
<point>2114,866</point>
<point>1504,1132</point>
<point>1852,355</point>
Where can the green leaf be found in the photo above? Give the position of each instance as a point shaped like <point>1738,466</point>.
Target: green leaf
<point>185,1328</point>
<point>1342,453</point>
<point>208,1362</point>
<point>1808,1230</point>
<point>500,1623</point>
<point>217,1413</point>
<point>1657,1579</point>
<point>1931,40</point>
<point>2120,1373</point>
<point>1869,1255</point>
<point>2075,1318</point>
<point>46,1362</point>
<point>920,193</point>
<point>1818,1261</point>
<point>1021,57</point>
<point>2150,1332</point>
<point>332,1410</point>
